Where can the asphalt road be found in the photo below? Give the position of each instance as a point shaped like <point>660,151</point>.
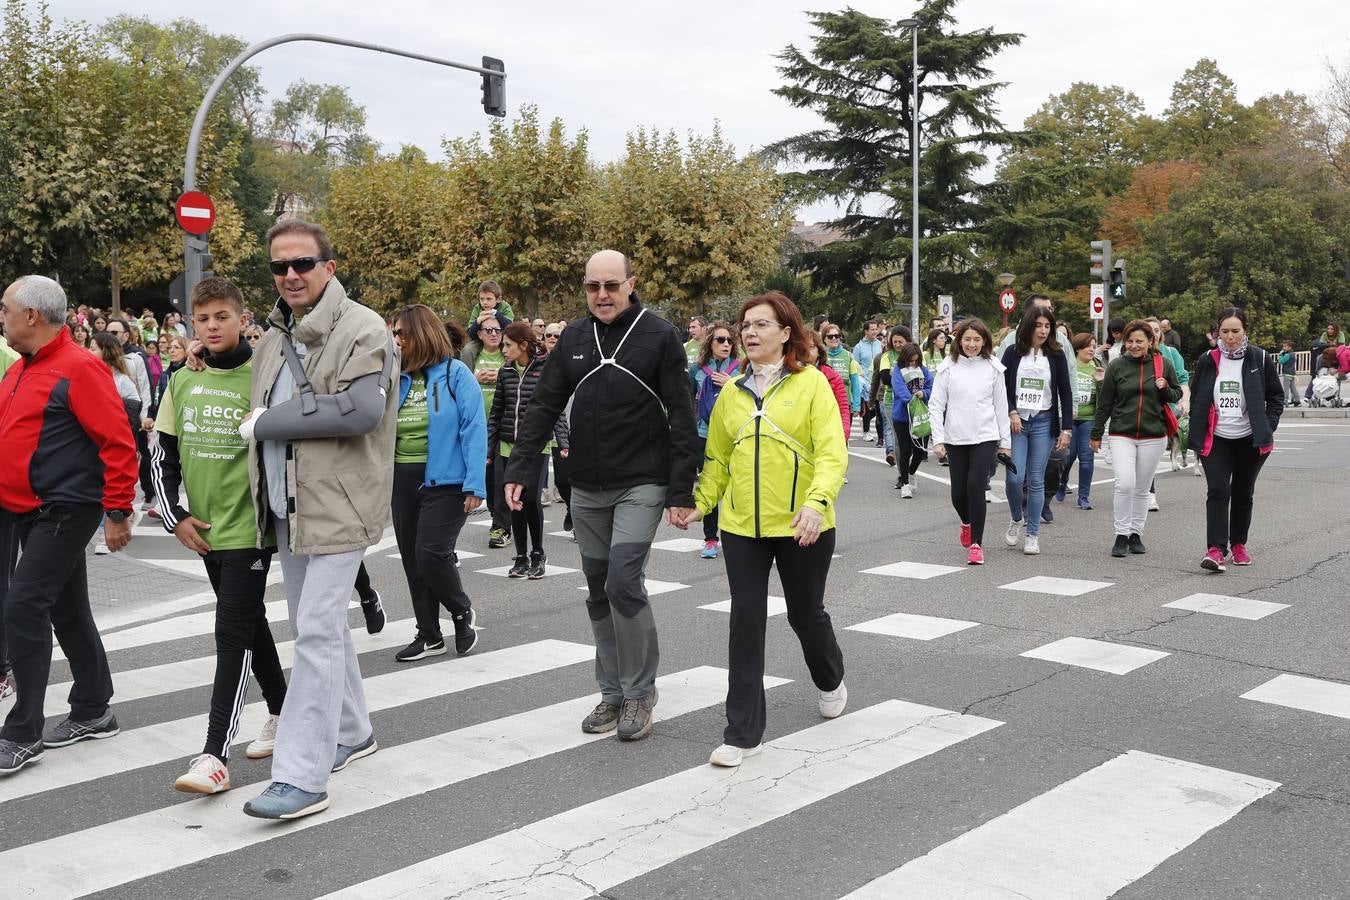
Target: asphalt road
<point>990,747</point>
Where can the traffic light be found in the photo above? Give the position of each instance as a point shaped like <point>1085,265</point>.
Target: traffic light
<point>1118,280</point>
<point>1101,260</point>
<point>494,88</point>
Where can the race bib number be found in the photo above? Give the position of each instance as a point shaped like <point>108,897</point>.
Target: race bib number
<point>1230,398</point>
<point>1082,390</point>
<point>1030,393</point>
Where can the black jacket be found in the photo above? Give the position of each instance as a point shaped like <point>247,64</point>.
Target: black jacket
<point>1260,385</point>
<point>620,434</point>
<point>1061,388</point>
<point>511,402</point>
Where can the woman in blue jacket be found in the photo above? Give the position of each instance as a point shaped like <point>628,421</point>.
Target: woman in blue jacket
<point>438,476</point>
<point>910,378</point>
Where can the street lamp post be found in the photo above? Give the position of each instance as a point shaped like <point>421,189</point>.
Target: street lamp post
<point>195,249</point>
<point>913,26</point>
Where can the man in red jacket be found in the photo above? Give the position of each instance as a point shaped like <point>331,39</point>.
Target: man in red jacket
<point>69,460</point>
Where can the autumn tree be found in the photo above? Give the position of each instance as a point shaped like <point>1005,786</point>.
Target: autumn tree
<point>858,76</point>
<point>1150,191</point>
<point>697,220</point>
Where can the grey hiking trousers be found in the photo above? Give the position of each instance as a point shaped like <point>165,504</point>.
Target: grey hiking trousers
<point>614,530</point>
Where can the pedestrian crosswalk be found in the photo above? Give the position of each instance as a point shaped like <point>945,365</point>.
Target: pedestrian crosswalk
<point>1089,836</point>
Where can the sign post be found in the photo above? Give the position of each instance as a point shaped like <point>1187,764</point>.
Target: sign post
<point>1007,301</point>
<point>946,309</point>
<point>1097,309</point>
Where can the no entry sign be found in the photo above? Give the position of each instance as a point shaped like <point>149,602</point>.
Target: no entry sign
<point>1098,304</point>
<point>195,212</point>
<point>1007,299</point>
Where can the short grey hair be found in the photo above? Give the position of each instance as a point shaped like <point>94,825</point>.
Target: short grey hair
<point>44,295</point>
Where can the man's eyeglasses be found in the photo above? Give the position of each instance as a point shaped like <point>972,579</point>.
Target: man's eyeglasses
<point>301,265</point>
<point>759,325</point>
<point>611,287</point>
<point>722,339</point>
<point>490,330</point>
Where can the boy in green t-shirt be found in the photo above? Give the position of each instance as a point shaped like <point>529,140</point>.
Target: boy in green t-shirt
<point>200,448</point>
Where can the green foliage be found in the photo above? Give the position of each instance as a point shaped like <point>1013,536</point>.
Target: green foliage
<point>858,76</point>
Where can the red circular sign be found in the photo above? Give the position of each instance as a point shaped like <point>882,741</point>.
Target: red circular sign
<point>1098,304</point>
<point>1007,299</point>
<point>195,212</point>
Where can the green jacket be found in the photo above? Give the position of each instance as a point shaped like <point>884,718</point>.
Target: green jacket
<point>766,465</point>
<point>1130,401</point>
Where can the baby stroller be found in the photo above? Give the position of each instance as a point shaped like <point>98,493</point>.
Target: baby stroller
<point>1326,389</point>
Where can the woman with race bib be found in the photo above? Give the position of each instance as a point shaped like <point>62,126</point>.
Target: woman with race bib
<point>1040,415</point>
<point>1235,409</point>
<point>1087,377</point>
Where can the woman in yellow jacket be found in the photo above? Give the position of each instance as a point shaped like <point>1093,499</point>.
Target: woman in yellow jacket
<point>775,459</point>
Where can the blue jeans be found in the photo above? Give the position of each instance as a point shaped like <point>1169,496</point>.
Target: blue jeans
<point>1080,447</point>
<point>1031,451</point>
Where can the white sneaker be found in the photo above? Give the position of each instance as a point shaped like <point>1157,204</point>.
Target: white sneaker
<point>730,757</point>
<point>544,498</point>
<point>832,702</point>
<point>1152,502</point>
<point>266,742</point>
<point>1198,472</point>
<point>205,775</point>
<point>988,496</point>
<point>906,492</point>
<point>1032,545</point>
<point>100,544</point>
<point>1014,533</point>
<point>1176,460</point>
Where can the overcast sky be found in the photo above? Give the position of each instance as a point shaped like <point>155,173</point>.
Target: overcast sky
<point>611,67</point>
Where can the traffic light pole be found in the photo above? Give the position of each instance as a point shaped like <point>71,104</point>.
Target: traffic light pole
<point>194,249</point>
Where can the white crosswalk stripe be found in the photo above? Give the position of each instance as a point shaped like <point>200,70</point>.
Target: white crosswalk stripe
<point>109,855</point>
<point>588,850</point>
<point>1086,838</point>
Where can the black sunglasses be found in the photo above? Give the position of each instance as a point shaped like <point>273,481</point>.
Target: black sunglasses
<point>722,339</point>
<point>301,265</point>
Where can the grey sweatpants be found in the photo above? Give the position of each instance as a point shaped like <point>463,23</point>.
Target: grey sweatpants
<point>325,703</point>
<point>614,531</point>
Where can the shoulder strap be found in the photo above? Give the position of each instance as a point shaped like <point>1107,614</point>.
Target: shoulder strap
<point>308,403</point>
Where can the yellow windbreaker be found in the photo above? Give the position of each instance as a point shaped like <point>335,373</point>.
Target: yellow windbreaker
<point>765,459</point>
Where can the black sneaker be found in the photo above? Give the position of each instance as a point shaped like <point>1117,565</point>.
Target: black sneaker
<point>466,636</point>
<point>567,522</point>
<point>373,610</point>
<point>520,569</point>
<point>1121,546</point>
<point>605,717</point>
<point>1137,544</point>
<point>14,755</point>
<point>536,569</point>
<point>421,648</point>
<point>635,718</point>
<point>1047,515</point>
<point>498,538</point>
<point>71,732</point>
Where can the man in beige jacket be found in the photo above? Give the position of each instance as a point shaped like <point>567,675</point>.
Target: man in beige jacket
<point>321,473</point>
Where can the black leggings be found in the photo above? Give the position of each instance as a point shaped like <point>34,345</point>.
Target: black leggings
<point>970,465</point>
<point>1230,473</point>
<point>802,571</point>
<point>530,517</point>
<point>908,454</point>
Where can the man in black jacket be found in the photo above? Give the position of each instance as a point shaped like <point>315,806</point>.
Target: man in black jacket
<point>634,450</point>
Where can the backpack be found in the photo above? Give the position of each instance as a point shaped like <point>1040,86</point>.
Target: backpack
<point>708,390</point>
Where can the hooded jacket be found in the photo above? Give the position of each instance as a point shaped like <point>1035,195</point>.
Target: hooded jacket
<point>632,422</point>
<point>515,389</point>
<point>456,426</point>
<point>767,458</point>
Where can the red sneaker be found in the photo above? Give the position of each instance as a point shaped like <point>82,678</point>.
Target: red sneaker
<point>965,535</point>
<point>1213,560</point>
<point>1240,556</point>
<point>976,556</point>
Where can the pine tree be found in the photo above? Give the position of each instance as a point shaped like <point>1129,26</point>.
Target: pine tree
<point>858,76</point>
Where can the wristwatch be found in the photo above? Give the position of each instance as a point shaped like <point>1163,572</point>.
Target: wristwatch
<point>117,516</point>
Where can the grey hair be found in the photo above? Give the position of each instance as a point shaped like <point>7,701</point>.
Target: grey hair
<point>44,295</point>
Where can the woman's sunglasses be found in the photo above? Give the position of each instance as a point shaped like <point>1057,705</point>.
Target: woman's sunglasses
<point>722,339</point>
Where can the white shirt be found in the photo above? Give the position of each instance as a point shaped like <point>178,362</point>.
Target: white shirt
<point>1033,385</point>
<point>970,402</point>
<point>1230,400</point>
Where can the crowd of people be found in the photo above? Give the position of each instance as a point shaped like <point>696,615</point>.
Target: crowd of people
<point>299,438</point>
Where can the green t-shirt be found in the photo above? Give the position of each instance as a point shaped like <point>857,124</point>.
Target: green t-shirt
<point>203,410</point>
<point>488,359</point>
<point>410,444</point>
<point>1085,391</point>
<point>691,350</point>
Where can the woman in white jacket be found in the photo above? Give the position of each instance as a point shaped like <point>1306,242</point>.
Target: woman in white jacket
<point>969,411</point>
